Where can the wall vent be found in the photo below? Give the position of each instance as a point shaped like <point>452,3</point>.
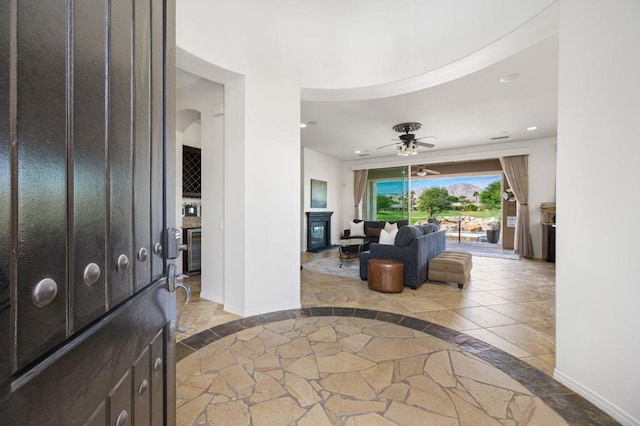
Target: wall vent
<point>499,137</point>
<point>363,155</point>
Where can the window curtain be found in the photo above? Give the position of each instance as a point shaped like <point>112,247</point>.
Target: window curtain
<point>516,169</point>
<point>359,184</point>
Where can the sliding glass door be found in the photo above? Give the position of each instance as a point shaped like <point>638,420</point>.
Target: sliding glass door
<point>388,194</point>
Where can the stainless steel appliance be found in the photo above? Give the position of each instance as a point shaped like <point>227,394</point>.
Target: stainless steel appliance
<point>191,258</point>
<point>190,210</point>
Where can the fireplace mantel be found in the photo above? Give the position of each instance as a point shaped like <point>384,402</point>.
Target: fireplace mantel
<point>318,231</point>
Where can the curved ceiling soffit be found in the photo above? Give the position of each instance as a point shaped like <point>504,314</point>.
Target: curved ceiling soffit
<point>536,29</point>
<point>195,65</point>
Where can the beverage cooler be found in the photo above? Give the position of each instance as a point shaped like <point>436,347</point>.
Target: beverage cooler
<point>191,257</point>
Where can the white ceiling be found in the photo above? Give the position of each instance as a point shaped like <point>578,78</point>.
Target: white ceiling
<point>465,112</point>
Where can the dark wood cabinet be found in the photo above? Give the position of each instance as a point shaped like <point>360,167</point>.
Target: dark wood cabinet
<point>191,172</point>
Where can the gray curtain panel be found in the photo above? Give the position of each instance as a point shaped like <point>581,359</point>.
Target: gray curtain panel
<point>516,169</point>
<point>359,184</point>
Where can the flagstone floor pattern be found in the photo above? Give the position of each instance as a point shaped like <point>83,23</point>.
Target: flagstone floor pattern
<point>330,370</point>
<point>234,370</point>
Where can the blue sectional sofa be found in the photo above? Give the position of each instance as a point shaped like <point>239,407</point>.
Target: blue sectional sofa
<point>414,246</point>
<point>372,229</point>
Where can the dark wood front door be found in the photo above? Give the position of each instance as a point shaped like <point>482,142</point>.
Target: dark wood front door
<point>86,318</point>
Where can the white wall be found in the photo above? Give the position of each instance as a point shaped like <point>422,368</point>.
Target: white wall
<point>598,269</point>
<point>192,135</point>
<point>321,167</point>
<point>542,173</point>
<point>542,186</point>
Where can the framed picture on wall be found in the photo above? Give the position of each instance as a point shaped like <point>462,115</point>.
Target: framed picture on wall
<point>318,193</point>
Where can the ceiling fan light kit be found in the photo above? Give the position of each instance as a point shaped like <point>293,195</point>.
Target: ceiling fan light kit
<point>408,143</point>
<point>407,150</point>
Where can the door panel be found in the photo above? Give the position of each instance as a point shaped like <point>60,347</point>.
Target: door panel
<point>70,385</point>
<point>157,120</point>
<point>82,186</point>
<point>142,150</point>
<point>99,417</point>
<point>157,380</point>
<point>89,161</point>
<point>120,408</point>
<point>142,389</point>
<point>120,260</point>
<point>41,175</point>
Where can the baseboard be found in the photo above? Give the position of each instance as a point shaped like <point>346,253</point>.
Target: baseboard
<point>211,297</point>
<point>611,409</point>
<point>259,311</point>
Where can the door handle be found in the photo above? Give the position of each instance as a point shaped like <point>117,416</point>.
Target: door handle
<point>173,285</point>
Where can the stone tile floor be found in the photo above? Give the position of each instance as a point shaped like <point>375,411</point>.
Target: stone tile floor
<point>509,304</point>
<point>285,368</point>
<point>349,371</point>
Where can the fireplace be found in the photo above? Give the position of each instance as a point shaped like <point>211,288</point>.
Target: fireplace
<point>318,231</point>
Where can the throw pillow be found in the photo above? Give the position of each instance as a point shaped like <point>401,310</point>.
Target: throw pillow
<point>373,232</point>
<point>388,238</point>
<point>356,229</point>
<point>390,226</point>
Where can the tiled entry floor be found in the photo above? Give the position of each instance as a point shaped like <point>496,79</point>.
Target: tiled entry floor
<point>350,366</point>
<point>513,310</point>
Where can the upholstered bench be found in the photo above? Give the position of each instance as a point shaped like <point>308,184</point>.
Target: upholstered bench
<point>386,275</point>
<point>451,266</point>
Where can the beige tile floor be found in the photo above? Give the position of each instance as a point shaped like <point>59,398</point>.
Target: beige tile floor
<point>509,304</point>
<point>347,371</point>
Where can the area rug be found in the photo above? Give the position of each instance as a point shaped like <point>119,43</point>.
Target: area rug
<point>482,250</point>
<point>330,265</point>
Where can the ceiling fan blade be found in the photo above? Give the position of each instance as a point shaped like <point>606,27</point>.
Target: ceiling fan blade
<point>432,138</point>
<point>384,146</point>
<point>432,172</point>
<point>425,144</point>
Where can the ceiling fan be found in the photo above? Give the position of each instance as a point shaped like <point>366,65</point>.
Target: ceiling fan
<point>408,143</point>
<point>422,171</point>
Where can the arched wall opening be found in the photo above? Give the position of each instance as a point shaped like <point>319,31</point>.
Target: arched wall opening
<point>198,126</point>
<point>188,133</point>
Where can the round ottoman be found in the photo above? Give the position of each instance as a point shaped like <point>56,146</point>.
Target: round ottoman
<point>386,275</point>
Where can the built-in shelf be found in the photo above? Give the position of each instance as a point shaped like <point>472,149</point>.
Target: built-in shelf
<point>191,172</point>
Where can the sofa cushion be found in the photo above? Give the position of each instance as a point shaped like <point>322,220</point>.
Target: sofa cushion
<point>356,229</point>
<point>388,238</point>
<point>429,228</point>
<point>406,234</point>
<point>373,232</point>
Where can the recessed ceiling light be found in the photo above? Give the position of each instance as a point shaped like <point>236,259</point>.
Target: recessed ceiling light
<point>532,128</point>
<point>358,152</point>
<point>303,125</point>
<point>508,78</point>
